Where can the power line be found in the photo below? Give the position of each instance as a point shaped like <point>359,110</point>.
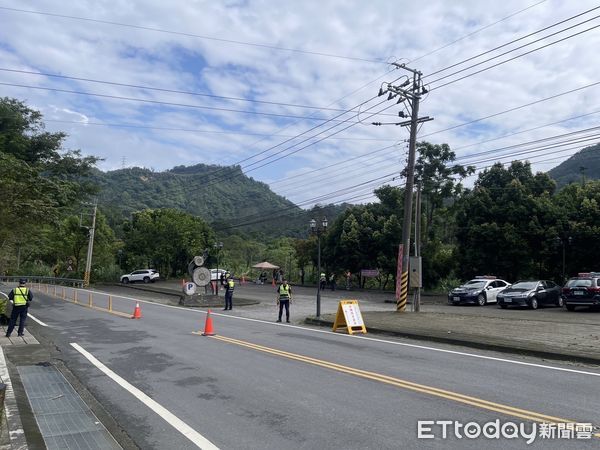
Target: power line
<point>475,32</point>
<point>268,160</point>
<point>517,40</point>
<point>304,174</point>
<point>278,214</point>
<point>535,141</point>
<point>570,149</point>
<point>332,195</point>
<point>198,130</point>
<point>159,102</point>
<point>198,36</point>
<point>516,108</point>
<point>217,179</point>
<point>525,131</point>
<point>511,59</point>
<point>541,149</point>
<point>222,170</point>
<point>171,91</point>
<point>544,148</point>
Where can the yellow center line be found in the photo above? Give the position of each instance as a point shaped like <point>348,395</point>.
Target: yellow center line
<point>449,395</point>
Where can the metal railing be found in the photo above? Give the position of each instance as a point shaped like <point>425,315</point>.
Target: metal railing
<point>43,280</point>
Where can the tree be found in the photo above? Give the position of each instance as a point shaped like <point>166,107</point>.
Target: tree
<point>39,180</point>
<point>366,236</point>
<point>70,242</point>
<point>437,176</point>
<point>579,219</point>
<point>504,223</point>
<point>165,239</point>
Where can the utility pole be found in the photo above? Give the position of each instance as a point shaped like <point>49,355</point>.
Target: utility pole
<point>417,305</point>
<point>412,96</point>
<point>88,261</point>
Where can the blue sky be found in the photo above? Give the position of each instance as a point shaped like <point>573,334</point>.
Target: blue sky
<point>285,59</point>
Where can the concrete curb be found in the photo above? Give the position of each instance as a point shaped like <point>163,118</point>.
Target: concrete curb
<point>480,345</point>
<point>212,300</point>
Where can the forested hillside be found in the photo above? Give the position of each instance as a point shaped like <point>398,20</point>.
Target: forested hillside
<point>583,165</point>
<point>222,196</point>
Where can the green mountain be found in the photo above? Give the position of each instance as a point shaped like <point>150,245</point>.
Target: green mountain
<point>223,196</point>
<point>583,164</point>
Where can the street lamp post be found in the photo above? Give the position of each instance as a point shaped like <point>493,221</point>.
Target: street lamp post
<point>563,241</point>
<point>318,231</point>
<point>218,246</point>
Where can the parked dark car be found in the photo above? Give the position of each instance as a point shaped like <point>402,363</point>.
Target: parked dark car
<point>583,290</point>
<point>531,293</point>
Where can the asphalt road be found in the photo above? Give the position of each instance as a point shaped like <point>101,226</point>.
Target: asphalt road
<point>258,384</point>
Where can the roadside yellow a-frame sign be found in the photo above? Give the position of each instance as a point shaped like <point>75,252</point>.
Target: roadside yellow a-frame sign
<point>348,315</point>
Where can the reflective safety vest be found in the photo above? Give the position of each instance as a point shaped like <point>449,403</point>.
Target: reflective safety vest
<point>230,286</point>
<point>284,292</point>
<point>20,296</point>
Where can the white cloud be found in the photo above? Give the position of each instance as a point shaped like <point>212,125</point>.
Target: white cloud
<point>378,29</point>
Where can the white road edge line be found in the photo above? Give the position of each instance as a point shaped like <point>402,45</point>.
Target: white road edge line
<point>385,341</point>
<point>195,437</point>
<point>422,347</point>
<point>15,427</point>
<point>37,320</point>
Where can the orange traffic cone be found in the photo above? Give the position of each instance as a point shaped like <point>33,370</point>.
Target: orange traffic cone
<point>137,312</point>
<point>208,326</point>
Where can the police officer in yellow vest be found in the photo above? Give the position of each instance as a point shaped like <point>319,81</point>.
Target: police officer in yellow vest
<point>284,292</point>
<point>229,287</point>
<point>20,297</point>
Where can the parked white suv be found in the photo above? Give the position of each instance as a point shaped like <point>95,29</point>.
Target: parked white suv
<point>145,275</point>
<point>215,275</point>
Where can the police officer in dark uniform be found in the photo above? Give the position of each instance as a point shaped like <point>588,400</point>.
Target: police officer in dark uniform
<point>20,297</point>
<point>284,292</point>
<point>229,287</point>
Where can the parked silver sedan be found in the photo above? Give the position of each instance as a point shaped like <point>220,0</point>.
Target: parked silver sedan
<point>531,293</point>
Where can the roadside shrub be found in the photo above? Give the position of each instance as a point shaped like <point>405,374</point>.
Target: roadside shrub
<point>111,273</point>
<point>446,284</point>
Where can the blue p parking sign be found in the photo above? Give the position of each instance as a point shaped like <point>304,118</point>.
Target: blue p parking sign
<point>189,288</point>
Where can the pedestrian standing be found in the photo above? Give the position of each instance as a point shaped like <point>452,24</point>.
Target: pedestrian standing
<point>229,288</point>
<point>322,281</point>
<point>348,280</point>
<point>20,297</point>
<point>332,281</point>
<point>284,298</point>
